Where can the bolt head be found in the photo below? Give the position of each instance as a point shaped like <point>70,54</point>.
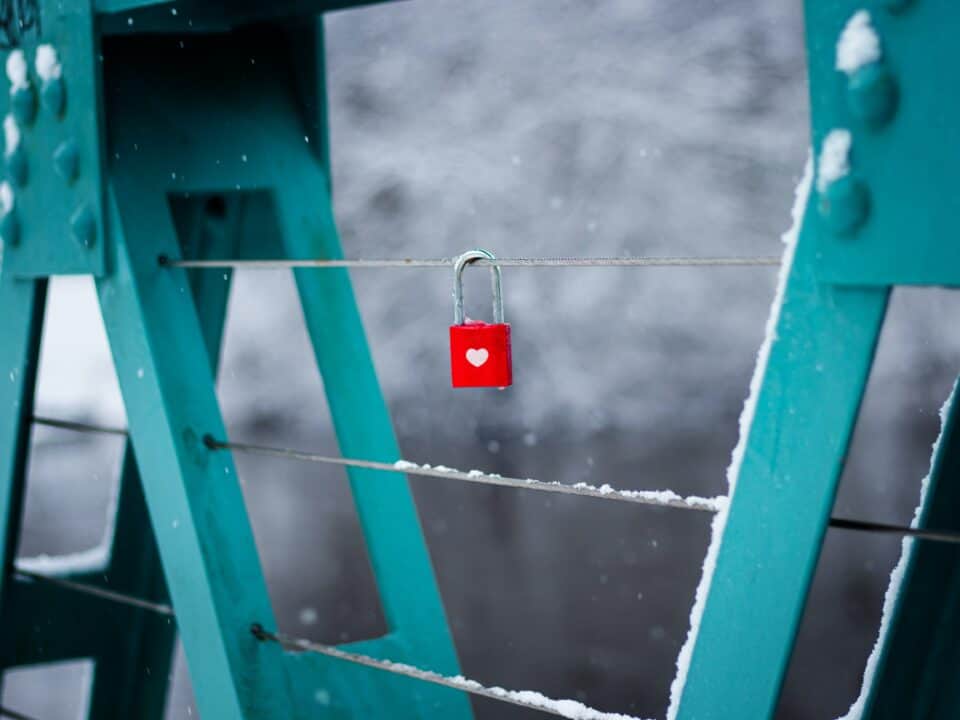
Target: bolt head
<point>844,205</point>
<point>53,95</point>
<point>872,95</point>
<point>23,103</point>
<point>10,228</point>
<point>66,159</point>
<point>83,226</point>
<point>17,168</point>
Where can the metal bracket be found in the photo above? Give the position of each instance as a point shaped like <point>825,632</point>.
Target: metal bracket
<point>51,204</point>
<point>891,218</point>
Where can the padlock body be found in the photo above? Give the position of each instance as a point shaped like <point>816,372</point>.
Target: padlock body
<point>480,355</point>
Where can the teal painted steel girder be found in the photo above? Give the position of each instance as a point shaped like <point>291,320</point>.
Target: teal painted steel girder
<point>794,453</point>
<point>918,663</point>
<point>881,214</point>
<point>259,140</point>
<point>190,17</point>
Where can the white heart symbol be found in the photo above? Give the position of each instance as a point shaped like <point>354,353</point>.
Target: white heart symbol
<point>477,357</point>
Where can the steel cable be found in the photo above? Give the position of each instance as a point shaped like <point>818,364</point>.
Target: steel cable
<point>661,498</point>
<point>264,264</point>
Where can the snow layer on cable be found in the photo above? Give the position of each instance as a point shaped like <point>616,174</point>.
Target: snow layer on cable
<point>660,497</point>
<point>896,580</point>
<point>746,420</point>
<point>858,45</point>
<point>834,159</point>
<point>565,708</point>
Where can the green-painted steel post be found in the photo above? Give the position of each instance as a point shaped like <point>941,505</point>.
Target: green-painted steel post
<point>398,553</point>
<point>261,151</point>
<point>132,670</point>
<point>808,399</point>
<point>919,661</point>
<point>21,319</point>
<point>196,507</point>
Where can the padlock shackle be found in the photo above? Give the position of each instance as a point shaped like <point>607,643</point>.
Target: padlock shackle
<point>495,282</point>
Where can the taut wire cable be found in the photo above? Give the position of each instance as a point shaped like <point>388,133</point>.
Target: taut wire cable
<point>80,427</point>
<point>8,713</point>
<point>103,593</point>
<point>745,261</point>
<point>524,698</point>
<point>661,498</point>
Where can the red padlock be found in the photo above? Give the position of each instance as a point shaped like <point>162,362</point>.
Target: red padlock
<point>479,351</point>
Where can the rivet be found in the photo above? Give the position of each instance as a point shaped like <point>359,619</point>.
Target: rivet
<point>66,158</point>
<point>844,205</point>
<point>23,102</point>
<point>53,95</point>
<point>16,165</point>
<point>872,94</point>
<point>10,228</point>
<point>83,225</point>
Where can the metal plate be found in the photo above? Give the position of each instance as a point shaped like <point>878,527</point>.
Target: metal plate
<point>905,164</point>
<point>57,213</point>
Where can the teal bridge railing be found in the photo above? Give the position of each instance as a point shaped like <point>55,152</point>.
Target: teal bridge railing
<point>876,210</point>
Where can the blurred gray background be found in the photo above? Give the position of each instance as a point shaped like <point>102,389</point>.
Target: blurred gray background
<point>536,127</point>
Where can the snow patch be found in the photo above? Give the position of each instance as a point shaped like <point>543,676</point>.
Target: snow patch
<point>834,160</point>
<point>91,560</point>
<point>47,63</point>
<point>746,420</point>
<point>6,197</point>
<point>17,70</point>
<point>653,497</point>
<point>896,580</point>
<point>858,45</point>
<point>11,135</point>
<point>564,708</point>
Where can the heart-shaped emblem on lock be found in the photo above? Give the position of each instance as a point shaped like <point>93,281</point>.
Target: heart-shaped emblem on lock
<point>477,357</point>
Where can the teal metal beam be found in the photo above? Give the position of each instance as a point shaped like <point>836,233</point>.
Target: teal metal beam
<point>20,330</point>
<point>196,506</point>
<point>388,517</point>
<point>261,142</point>
<point>193,17</point>
<point>808,399</point>
<point>917,673</point>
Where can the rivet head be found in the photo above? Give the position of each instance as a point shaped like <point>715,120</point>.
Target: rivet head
<point>23,103</point>
<point>844,205</point>
<point>16,166</point>
<point>66,159</point>
<point>872,94</point>
<point>53,95</point>
<point>83,225</point>
<point>10,228</point>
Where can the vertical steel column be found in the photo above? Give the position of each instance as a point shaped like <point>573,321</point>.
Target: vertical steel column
<point>196,507</point>
<point>807,404</point>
